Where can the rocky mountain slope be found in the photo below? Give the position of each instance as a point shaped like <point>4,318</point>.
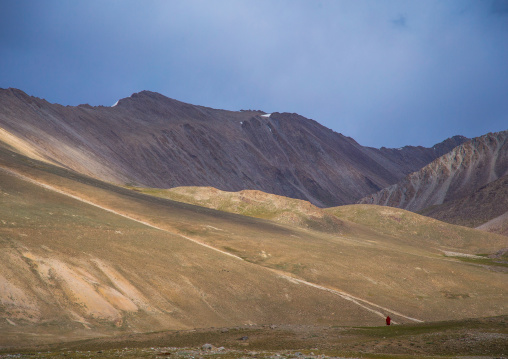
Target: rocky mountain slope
<point>413,158</point>
<point>153,141</point>
<point>485,208</point>
<point>454,176</point>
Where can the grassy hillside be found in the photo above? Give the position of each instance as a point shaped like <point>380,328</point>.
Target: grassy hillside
<point>254,203</point>
<point>418,230</point>
<point>124,261</point>
<point>474,337</point>
<point>70,267</point>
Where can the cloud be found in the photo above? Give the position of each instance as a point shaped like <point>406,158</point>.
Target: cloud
<point>399,21</point>
<point>341,63</point>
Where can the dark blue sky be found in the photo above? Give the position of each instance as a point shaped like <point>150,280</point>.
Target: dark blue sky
<point>387,73</point>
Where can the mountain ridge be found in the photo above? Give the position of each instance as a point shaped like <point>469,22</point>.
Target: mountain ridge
<point>453,183</point>
<point>151,140</point>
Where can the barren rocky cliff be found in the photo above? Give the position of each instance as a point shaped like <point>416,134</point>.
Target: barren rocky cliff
<point>453,176</point>
<point>154,141</point>
<point>485,208</point>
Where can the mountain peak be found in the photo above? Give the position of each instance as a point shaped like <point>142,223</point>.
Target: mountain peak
<point>11,91</point>
<point>149,94</point>
<point>147,99</point>
<point>449,144</point>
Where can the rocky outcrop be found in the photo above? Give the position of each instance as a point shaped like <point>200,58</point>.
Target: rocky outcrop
<point>452,176</point>
<point>485,208</point>
<point>412,158</point>
<point>154,141</point>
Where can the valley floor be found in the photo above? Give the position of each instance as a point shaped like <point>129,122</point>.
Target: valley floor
<point>478,338</point>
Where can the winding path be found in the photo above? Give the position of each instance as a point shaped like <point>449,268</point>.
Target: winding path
<point>367,305</point>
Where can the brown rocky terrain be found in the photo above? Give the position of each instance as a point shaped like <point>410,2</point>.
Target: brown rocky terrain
<point>153,141</point>
<point>485,208</point>
<point>454,176</point>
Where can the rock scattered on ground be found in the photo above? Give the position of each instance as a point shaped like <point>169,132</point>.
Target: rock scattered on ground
<point>206,351</point>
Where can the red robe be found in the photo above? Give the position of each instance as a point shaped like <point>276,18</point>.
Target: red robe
<point>388,320</point>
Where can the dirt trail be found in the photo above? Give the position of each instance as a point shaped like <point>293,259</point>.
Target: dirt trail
<point>367,305</point>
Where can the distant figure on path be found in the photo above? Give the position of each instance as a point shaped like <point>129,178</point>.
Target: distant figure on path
<point>388,320</point>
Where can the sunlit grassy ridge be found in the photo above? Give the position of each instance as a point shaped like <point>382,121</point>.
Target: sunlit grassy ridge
<point>254,203</point>
<point>417,229</point>
<point>406,246</point>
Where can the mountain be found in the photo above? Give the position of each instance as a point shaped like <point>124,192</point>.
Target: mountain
<point>89,250</point>
<point>455,179</point>
<point>150,140</point>
<point>412,158</point>
<point>485,208</point>
<point>85,258</point>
